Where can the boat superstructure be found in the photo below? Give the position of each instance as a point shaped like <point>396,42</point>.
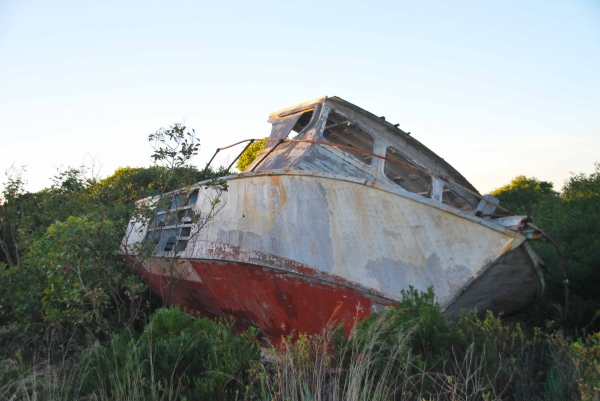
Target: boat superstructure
<point>338,214</point>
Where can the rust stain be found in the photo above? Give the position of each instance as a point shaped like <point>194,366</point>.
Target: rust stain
<point>275,301</point>
<point>282,196</point>
<point>329,245</point>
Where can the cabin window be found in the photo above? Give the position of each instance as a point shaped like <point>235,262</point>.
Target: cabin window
<point>289,126</point>
<point>451,198</point>
<point>169,237</point>
<point>404,173</point>
<point>301,124</point>
<point>158,221</point>
<point>181,245</point>
<point>154,237</point>
<point>193,197</point>
<point>341,131</point>
<point>170,230</point>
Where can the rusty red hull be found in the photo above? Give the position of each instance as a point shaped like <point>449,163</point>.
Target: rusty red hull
<point>276,301</point>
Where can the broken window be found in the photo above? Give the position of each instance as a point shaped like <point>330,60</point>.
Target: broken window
<point>167,240</point>
<point>170,230</point>
<point>400,172</point>
<point>181,245</point>
<point>301,124</point>
<point>341,131</point>
<point>289,126</point>
<point>193,198</point>
<point>453,199</point>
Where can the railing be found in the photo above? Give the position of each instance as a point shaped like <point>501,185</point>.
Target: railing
<point>335,145</point>
<point>526,221</point>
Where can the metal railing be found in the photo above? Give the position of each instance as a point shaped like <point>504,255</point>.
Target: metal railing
<point>335,145</point>
<point>527,220</point>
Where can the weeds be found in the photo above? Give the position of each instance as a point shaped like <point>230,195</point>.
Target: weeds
<point>179,357</point>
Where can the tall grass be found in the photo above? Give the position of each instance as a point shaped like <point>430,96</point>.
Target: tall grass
<point>308,368</point>
<point>97,376</point>
<point>42,381</point>
<point>388,357</point>
<point>376,365</point>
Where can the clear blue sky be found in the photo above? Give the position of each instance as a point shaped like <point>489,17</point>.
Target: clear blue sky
<point>497,88</point>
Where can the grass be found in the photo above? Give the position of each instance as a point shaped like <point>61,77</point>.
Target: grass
<point>380,360</point>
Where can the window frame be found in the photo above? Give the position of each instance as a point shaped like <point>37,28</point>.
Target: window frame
<point>411,161</point>
<point>173,221</point>
<point>321,135</point>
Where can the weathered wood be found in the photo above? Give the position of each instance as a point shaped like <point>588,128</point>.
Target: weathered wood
<point>487,207</point>
<point>437,190</point>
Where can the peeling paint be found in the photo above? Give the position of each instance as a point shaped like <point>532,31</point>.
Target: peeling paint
<point>393,275</point>
<point>315,236</point>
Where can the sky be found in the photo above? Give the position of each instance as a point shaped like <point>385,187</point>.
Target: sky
<point>496,88</point>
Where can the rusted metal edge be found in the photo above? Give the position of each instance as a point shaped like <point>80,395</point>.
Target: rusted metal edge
<point>238,156</point>
<point>563,269</point>
<point>232,253</point>
<point>535,259</point>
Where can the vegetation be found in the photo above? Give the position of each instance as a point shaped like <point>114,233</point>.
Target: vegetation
<point>250,154</point>
<point>59,249</point>
<point>572,219</point>
<point>77,323</point>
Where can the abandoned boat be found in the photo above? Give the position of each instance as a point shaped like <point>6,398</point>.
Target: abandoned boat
<point>338,214</point>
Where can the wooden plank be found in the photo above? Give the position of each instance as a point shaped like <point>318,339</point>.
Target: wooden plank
<point>487,207</point>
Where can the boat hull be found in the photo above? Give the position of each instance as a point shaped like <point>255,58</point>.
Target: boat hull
<point>278,301</point>
<point>287,249</point>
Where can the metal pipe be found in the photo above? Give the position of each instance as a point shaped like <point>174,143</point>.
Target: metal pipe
<point>564,270</point>
<point>335,145</point>
<point>238,156</point>
<point>280,141</point>
<point>210,161</point>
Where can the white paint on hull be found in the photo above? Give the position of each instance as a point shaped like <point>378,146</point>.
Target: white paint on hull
<point>366,233</point>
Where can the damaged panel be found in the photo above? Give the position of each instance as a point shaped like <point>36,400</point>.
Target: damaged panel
<point>334,219</point>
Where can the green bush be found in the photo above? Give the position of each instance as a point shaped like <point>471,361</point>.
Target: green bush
<point>440,345</point>
<point>176,356</point>
<point>586,357</point>
<point>250,154</point>
<point>572,219</point>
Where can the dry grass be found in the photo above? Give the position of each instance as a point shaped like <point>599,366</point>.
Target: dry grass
<point>377,366</point>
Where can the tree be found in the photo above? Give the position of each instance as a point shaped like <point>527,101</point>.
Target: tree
<point>572,219</point>
<point>574,223</point>
<point>169,216</point>
<point>59,247</point>
<point>250,154</point>
<point>522,193</point>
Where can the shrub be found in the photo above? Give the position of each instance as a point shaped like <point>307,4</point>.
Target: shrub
<point>572,219</point>
<point>176,356</point>
<point>250,154</point>
<point>586,357</point>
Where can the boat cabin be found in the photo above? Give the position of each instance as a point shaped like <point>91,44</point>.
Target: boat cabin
<point>343,139</point>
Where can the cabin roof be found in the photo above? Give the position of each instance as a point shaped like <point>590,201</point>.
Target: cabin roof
<point>383,123</point>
